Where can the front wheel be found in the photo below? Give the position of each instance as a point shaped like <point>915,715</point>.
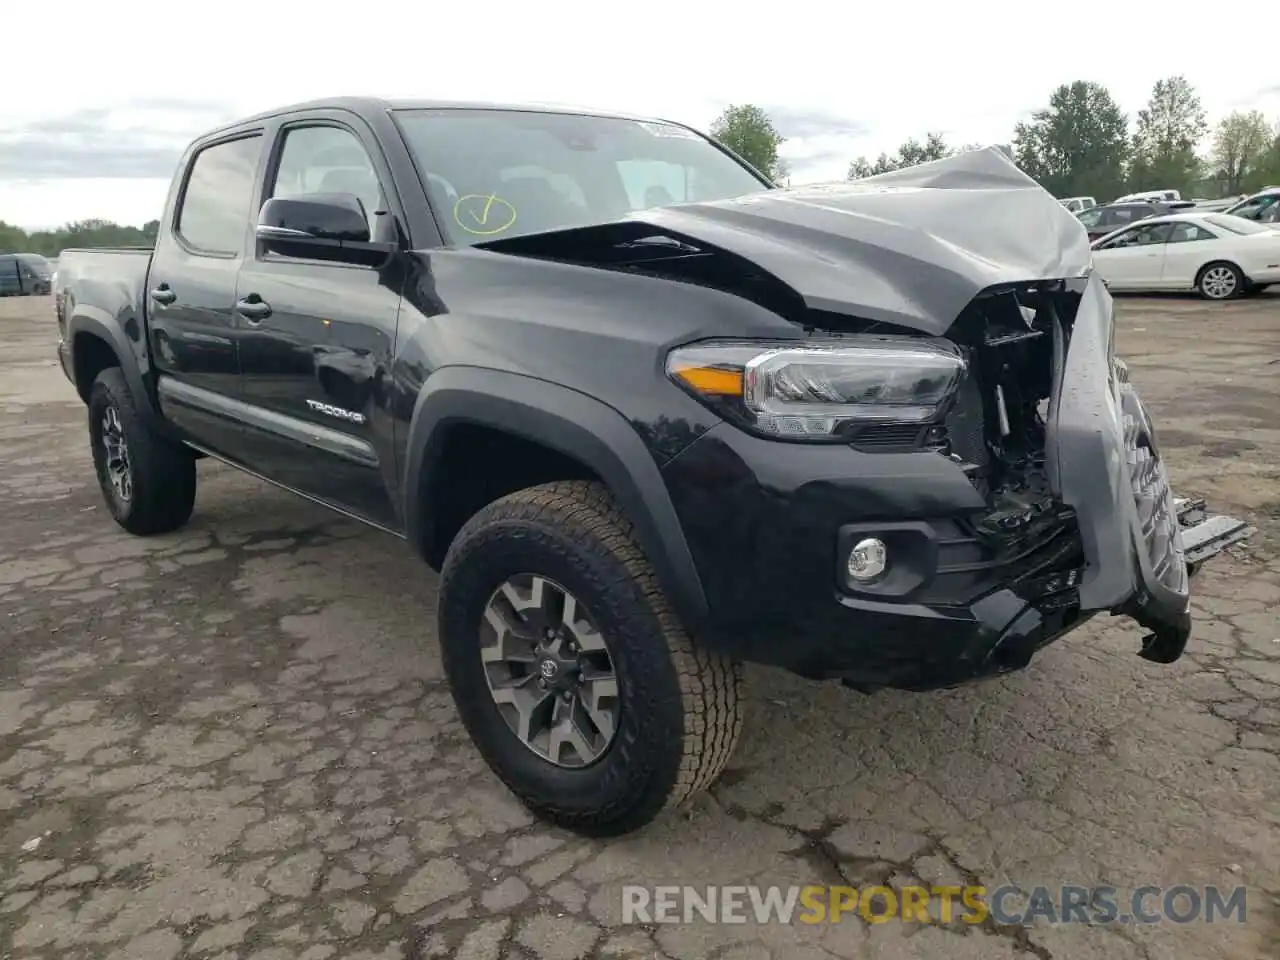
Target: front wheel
<point>569,669</point>
<point>147,480</point>
<point>1220,281</point>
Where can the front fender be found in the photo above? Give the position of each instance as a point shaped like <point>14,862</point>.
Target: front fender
<point>572,424</point>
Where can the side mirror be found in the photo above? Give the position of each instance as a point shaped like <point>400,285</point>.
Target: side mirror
<point>322,226</point>
<point>315,216</point>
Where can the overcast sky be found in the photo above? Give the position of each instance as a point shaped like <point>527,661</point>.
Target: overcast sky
<point>112,91</point>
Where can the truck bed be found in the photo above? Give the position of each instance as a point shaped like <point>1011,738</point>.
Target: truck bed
<point>112,279</point>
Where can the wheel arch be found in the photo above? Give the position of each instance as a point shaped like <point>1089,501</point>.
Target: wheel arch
<point>1222,262</point>
<point>95,342</point>
<point>588,434</point>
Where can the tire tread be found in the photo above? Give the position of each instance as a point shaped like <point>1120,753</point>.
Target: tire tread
<point>710,684</point>
<point>164,474</point>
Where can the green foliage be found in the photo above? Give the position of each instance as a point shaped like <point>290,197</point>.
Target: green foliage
<point>909,154</point>
<point>747,130</point>
<point>1244,148</point>
<point>1078,145</point>
<point>82,233</point>
<point>1267,173</point>
<point>1164,143</point>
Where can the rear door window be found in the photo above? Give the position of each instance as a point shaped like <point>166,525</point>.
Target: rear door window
<point>218,199</point>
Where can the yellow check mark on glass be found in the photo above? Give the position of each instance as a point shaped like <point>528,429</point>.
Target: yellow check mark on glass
<point>484,214</point>
<point>483,218</point>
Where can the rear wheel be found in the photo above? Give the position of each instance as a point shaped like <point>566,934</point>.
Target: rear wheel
<point>570,671</point>
<point>1220,281</point>
<point>148,481</point>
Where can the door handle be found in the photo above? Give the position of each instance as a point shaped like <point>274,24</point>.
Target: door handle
<point>253,308</point>
<point>163,295</point>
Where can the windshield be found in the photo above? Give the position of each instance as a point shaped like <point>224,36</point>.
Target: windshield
<point>505,173</point>
<point>1253,207</point>
<point>34,261</point>
<point>1237,224</point>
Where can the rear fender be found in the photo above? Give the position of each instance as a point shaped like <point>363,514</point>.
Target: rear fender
<point>88,319</point>
<point>572,424</point>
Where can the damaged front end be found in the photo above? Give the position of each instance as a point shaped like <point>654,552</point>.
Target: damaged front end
<point>1069,457</point>
<point>1054,503</point>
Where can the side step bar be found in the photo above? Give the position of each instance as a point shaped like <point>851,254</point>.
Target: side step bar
<point>1205,535</point>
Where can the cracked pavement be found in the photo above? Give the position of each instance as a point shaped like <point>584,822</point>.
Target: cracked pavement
<point>236,742</point>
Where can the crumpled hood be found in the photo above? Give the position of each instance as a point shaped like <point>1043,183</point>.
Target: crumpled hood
<point>912,247</point>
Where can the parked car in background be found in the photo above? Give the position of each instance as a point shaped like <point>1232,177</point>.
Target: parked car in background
<point>1214,206</point>
<point>1216,254</point>
<point>24,275</point>
<point>1100,221</point>
<point>1076,204</point>
<point>1263,206</point>
<point>1155,196</point>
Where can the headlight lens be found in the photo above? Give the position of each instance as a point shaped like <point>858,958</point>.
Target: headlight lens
<point>824,390</point>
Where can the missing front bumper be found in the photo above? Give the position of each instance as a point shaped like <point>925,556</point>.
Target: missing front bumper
<point>1205,535</point>
<point>1140,542</point>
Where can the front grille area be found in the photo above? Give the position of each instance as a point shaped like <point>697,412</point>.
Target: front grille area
<point>1157,513</point>
<point>1041,560</point>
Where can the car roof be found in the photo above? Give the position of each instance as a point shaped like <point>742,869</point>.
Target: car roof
<point>1175,217</point>
<point>365,105</point>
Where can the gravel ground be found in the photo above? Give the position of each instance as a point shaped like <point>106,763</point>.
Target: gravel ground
<point>235,741</point>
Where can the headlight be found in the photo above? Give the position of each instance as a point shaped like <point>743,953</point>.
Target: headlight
<point>821,391</point>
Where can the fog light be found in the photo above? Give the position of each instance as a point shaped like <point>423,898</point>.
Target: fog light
<point>867,559</point>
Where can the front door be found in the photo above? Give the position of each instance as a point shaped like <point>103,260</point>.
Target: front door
<point>317,336</point>
<point>191,291</point>
<point>1135,258</point>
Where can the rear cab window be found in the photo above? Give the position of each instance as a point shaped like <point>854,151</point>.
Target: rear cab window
<point>217,200</point>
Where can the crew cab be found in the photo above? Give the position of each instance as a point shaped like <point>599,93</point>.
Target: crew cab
<point>649,416</point>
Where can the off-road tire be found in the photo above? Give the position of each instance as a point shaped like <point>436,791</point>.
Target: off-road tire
<point>163,472</point>
<point>1202,280</point>
<point>681,705</point>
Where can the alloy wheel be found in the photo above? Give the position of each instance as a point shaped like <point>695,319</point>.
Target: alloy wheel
<point>1219,283</point>
<point>119,469</point>
<point>550,671</point>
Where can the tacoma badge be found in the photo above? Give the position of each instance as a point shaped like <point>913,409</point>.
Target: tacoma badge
<point>333,411</point>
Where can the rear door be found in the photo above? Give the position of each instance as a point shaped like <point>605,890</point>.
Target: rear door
<point>316,336</point>
<point>192,291</point>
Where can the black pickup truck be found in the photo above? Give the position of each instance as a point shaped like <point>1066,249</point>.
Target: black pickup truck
<point>649,416</point>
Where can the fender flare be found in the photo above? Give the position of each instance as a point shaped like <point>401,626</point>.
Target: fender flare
<point>573,424</point>
<point>92,320</point>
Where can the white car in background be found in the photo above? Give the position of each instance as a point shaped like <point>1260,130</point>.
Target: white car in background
<point>1218,255</point>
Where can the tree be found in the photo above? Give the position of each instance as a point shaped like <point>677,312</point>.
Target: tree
<point>1169,128</point>
<point>1241,143</point>
<point>83,233</point>
<point>909,154</point>
<point>1268,169</point>
<point>1078,145</point>
<point>748,132</point>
